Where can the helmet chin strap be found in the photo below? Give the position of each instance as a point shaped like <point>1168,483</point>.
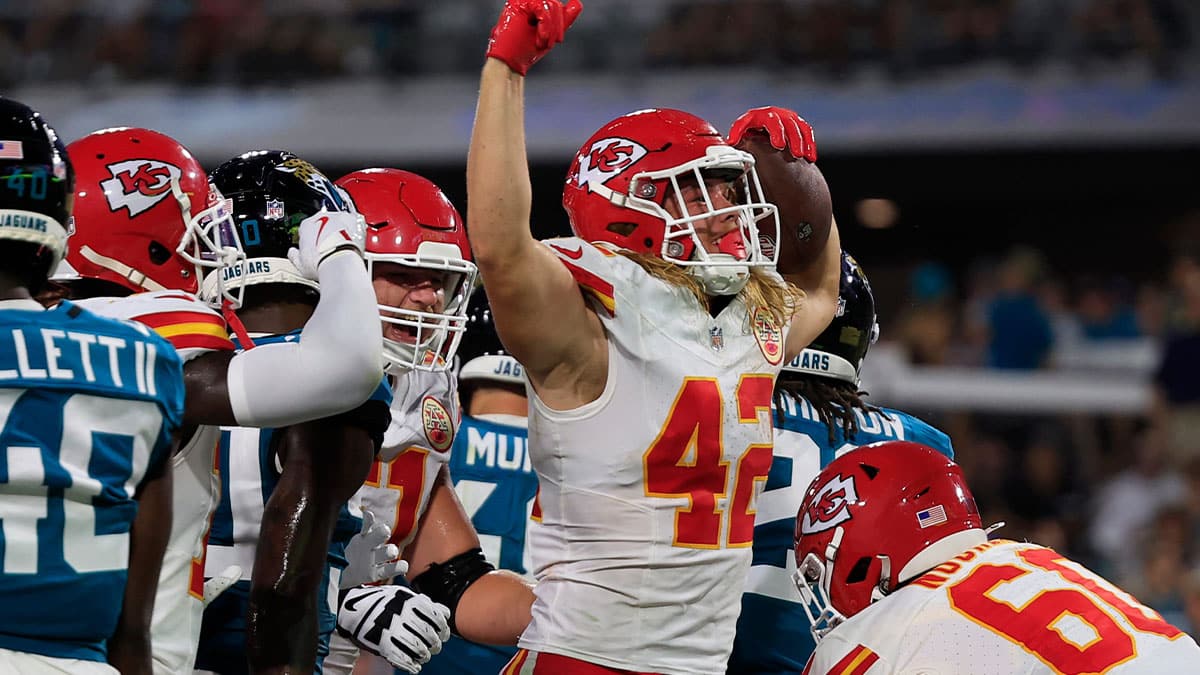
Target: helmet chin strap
<point>125,271</point>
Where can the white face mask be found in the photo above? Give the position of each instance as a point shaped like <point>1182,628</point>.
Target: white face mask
<point>720,273</point>
<point>211,242</point>
<point>436,334</point>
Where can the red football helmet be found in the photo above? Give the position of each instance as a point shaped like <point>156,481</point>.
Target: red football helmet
<point>624,174</point>
<point>876,517</point>
<point>410,222</point>
<point>146,217</point>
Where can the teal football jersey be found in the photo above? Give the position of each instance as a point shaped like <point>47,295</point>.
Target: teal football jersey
<point>88,409</point>
<point>773,631</point>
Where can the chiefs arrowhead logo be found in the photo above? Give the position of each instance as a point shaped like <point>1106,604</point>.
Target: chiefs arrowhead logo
<point>829,506</point>
<point>138,184</point>
<point>606,158</point>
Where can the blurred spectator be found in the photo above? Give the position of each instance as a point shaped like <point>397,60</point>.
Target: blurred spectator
<point>1127,503</point>
<point>1191,601</point>
<point>1104,314</point>
<point>1039,487</point>
<point>1178,387</point>
<point>926,326</point>
<point>1110,29</point>
<point>1019,332</point>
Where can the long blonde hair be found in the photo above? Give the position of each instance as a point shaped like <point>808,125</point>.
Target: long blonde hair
<point>762,291</point>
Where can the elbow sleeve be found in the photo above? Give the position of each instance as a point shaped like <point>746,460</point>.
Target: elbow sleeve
<point>334,367</point>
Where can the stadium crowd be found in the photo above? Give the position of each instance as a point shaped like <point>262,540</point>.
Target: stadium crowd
<point>282,41</point>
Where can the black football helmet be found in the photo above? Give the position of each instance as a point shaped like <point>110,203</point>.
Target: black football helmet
<point>482,355</point>
<point>37,186</point>
<point>838,352</point>
<point>272,192</point>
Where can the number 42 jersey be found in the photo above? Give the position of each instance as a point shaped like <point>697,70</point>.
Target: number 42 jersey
<point>88,408</point>
<point>647,494</point>
<point>1007,608</point>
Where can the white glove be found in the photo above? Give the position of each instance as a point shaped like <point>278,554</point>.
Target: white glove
<point>323,234</point>
<point>369,556</point>
<point>221,583</point>
<point>395,623</point>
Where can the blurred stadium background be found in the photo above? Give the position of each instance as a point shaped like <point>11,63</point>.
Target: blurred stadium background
<point>1018,178</point>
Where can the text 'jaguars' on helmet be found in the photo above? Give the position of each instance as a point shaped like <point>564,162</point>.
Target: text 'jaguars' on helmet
<point>272,192</point>
<point>37,183</point>
<point>839,350</point>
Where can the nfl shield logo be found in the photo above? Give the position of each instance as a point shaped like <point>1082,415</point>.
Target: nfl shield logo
<point>274,209</point>
<point>717,338</point>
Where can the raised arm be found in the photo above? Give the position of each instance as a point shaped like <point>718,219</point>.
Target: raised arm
<point>786,164</point>
<point>333,368</point>
<point>539,312</point>
<point>820,282</point>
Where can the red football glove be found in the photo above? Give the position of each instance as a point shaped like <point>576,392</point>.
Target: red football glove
<point>527,29</point>
<point>785,129</point>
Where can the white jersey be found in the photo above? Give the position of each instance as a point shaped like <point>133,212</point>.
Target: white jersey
<point>415,448</point>
<point>1007,608</point>
<point>647,494</point>
<point>425,416</point>
<point>193,328</point>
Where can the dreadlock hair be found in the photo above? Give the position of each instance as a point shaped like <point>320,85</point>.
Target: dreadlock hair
<point>833,400</point>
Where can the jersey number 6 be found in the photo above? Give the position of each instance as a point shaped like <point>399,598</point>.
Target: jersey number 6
<point>1036,624</point>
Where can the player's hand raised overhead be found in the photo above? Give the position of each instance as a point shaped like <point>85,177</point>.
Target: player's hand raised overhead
<point>783,128</point>
<point>528,29</point>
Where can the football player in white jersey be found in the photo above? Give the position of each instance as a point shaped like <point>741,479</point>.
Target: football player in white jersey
<point>651,342</point>
<point>147,227</point>
<point>421,267</point>
<point>90,410</point>
<point>899,577</point>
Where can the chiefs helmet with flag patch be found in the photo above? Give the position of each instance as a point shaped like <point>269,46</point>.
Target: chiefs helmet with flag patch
<point>272,192</point>
<point>620,180</point>
<point>874,518</point>
<point>410,222</point>
<point>146,217</point>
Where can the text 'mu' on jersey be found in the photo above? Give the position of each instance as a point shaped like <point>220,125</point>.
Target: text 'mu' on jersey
<point>773,633</point>
<point>88,408</point>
